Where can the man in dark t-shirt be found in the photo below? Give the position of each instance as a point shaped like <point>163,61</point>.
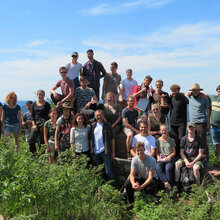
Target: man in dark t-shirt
<point>129,116</point>
<point>178,115</point>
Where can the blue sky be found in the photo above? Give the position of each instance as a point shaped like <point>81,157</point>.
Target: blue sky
<point>177,41</point>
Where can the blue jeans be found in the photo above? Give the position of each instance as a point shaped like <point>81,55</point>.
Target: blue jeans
<point>106,159</point>
<point>165,171</point>
<point>215,134</point>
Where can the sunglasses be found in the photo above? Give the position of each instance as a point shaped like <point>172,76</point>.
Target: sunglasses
<point>63,72</point>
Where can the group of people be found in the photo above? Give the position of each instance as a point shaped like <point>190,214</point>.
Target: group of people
<point>154,123</point>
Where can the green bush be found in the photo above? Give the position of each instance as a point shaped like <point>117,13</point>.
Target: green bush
<point>194,206</point>
<point>31,188</point>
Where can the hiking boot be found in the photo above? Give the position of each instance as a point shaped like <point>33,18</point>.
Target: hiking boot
<point>168,188</point>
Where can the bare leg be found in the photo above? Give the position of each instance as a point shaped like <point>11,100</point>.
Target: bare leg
<point>129,141</point>
<point>178,165</point>
<point>196,173</point>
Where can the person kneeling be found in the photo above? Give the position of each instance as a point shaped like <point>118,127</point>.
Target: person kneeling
<point>141,174</point>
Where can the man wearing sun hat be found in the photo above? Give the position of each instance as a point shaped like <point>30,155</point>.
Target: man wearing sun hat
<point>199,113</point>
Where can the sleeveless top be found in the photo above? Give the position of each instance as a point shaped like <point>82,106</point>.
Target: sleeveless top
<point>155,124</point>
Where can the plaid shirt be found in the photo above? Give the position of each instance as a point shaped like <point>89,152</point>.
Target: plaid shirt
<point>93,73</point>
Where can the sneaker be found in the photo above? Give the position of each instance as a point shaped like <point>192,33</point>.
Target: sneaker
<point>168,188</point>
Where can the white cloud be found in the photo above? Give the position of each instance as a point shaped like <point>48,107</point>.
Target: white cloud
<point>36,43</point>
<point>117,8</point>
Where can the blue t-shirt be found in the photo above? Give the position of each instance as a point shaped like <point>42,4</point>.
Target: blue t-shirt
<point>11,114</point>
<point>197,109</point>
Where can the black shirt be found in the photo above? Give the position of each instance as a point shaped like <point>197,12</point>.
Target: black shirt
<point>178,111</point>
<point>40,112</point>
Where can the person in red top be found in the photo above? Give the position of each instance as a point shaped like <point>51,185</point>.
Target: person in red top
<point>143,91</point>
<point>67,88</point>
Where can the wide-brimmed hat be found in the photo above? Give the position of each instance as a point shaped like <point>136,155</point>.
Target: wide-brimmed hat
<point>195,86</point>
<point>66,105</point>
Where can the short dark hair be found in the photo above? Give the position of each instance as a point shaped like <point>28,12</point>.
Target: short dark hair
<point>82,78</point>
<point>29,102</point>
<point>143,122</point>
<point>174,86</point>
<point>148,77</point>
<point>114,64</point>
<point>89,50</point>
<point>85,120</point>
<point>218,88</point>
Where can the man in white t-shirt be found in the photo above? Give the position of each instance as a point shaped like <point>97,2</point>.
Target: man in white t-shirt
<point>148,140</point>
<point>74,69</point>
<point>126,87</point>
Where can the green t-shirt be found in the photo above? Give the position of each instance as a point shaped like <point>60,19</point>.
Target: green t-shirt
<point>165,148</point>
<point>51,130</point>
<point>215,110</point>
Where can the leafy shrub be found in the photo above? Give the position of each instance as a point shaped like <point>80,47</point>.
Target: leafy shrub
<point>31,188</point>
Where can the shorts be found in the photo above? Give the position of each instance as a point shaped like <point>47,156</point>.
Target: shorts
<point>215,132</point>
<point>190,159</point>
<point>12,128</point>
<point>127,131</point>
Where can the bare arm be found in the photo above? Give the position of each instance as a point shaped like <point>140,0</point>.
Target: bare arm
<point>103,89</point>
<point>94,100</point>
<point>20,121</point>
<point>149,179</point>
<point>45,135</point>
<point>152,151</point>
<point>171,155</point>
<point>113,148</point>
<point>56,138</point>
<point>52,90</point>
<point>118,120</point>
<point>121,89</point>
<point>69,96</point>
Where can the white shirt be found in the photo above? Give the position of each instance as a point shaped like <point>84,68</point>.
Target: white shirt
<point>98,136</point>
<point>73,70</point>
<point>149,142</point>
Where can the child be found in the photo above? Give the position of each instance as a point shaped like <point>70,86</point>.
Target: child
<point>27,123</point>
<point>49,133</point>
<point>11,116</point>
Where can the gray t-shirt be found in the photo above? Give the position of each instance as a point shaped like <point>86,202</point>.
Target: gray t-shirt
<point>165,148</point>
<point>112,82</point>
<point>197,109</point>
<point>142,168</point>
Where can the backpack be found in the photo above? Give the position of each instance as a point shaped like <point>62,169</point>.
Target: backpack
<point>186,178</point>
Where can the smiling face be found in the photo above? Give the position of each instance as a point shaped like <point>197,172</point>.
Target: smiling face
<point>63,72</point>
<point>147,82</point>
<point>129,74</point>
<point>110,98</point>
<point>143,129</point>
<point>99,116</point>
<point>80,120</point>
<point>159,85</point>
<point>140,151</point>
<point>218,93</point>
<point>90,55</point>
<point>164,130</point>
<point>175,92</point>
<point>195,92</point>
<point>130,102</point>
<point>40,95</point>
